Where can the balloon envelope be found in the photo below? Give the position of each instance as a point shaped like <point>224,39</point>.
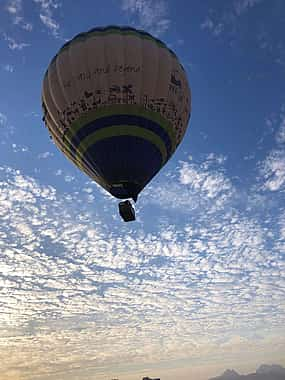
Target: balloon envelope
<point>117,103</point>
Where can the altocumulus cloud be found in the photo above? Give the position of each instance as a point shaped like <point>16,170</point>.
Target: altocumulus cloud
<point>272,168</point>
<point>15,9</point>
<point>195,186</point>
<point>3,119</point>
<point>47,8</point>
<point>13,44</point>
<point>148,14</point>
<point>226,19</point>
<point>8,68</point>
<point>227,22</point>
<point>72,286</point>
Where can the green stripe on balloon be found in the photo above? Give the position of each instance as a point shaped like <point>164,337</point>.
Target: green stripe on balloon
<point>122,130</point>
<point>84,36</point>
<point>122,33</point>
<point>121,109</point>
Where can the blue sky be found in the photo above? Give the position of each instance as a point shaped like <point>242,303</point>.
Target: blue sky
<point>197,284</point>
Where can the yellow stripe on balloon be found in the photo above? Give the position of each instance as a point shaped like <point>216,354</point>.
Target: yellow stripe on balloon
<point>122,130</point>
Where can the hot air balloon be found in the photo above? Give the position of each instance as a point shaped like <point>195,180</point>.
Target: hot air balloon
<point>116,102</point>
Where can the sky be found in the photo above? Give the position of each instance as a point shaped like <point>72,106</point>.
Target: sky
<point>197,284</point>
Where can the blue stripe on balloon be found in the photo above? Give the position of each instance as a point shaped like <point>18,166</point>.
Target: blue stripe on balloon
<point>121,120</point>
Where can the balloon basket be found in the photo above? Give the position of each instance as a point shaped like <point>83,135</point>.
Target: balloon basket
<point>127,211</point>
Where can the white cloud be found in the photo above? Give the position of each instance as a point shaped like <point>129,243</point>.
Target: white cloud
<point>242,6</point>
<point>15,8</point>
<point>229,21</point>
<point>209,24</point>
<point>32,114</point>
<point>212,183</point>
<point>216,158</point>
<point>273,170</point>
<point>217,23</point>
<point>73,283</point>
<point>49,23</point>
<point>13,44</point>
<point>151,15</point>
<point>69,178</point>
<point>9,68</point>
<point>19,148</point>
<point>7,130</point>
<point>24,229</point>
<point>195,186</point>
<point>24,25</point>
<point>3,119</point>
<point>45,155</point>
<point>280,136</point>
<point>47,8</point>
